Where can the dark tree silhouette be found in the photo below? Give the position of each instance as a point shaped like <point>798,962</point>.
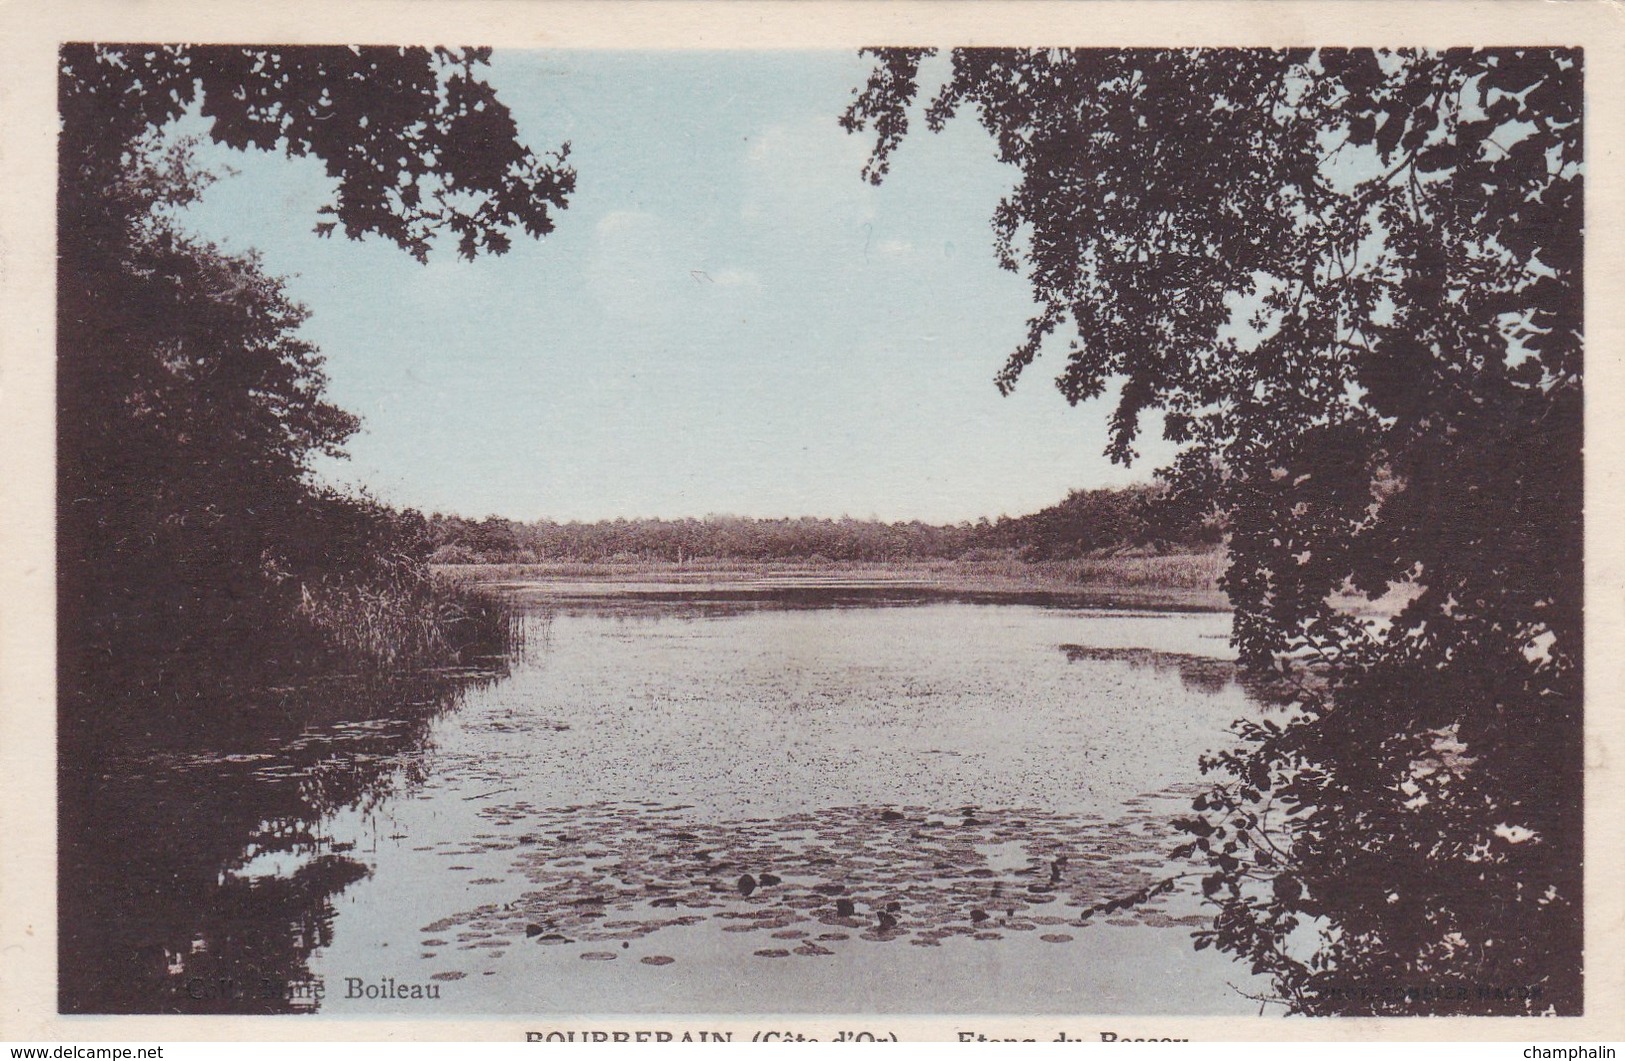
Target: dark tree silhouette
<point>189,408</point>
<point>1351,283</point>
<point>197,557</point>
<point>419,146</point>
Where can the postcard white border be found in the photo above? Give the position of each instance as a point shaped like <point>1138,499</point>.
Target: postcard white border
<point>29,35</point>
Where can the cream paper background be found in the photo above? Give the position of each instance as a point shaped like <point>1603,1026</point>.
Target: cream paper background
<point>30,31</point>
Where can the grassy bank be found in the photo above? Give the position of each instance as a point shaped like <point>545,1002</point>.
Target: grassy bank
<point>1188,580</point>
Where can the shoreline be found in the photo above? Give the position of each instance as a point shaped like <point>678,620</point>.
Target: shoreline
<point>1179,581</point>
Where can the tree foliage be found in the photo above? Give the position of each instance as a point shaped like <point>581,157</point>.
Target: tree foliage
<point>202,572</point>
<point>418,145</point>
<point>1350,283</point>
<point>189,407</point>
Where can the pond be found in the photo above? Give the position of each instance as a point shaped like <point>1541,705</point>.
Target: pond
<point>848,799</point>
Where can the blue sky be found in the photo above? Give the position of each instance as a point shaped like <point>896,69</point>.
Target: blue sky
<point>728,319</point>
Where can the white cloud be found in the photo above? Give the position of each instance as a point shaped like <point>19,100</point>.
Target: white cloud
<point>803,176</point>
<point>630,269</point>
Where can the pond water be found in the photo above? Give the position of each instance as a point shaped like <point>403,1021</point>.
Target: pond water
<point>774,802</point>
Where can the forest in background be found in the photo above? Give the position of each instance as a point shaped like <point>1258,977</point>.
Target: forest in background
<point>1087,523</point>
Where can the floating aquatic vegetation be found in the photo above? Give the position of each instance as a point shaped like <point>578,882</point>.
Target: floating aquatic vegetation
<point>585,875</point>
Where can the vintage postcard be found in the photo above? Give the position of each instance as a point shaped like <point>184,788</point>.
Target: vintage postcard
<point>570,522</point>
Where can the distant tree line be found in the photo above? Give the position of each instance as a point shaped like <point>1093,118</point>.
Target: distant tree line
<point>1087,522</point>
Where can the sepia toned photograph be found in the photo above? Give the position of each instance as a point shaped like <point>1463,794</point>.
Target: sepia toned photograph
<point>891,531</point>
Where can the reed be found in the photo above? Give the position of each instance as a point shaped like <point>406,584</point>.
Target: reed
<point>1197,570</point>
<point>400,615</point>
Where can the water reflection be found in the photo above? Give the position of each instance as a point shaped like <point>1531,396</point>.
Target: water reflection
<point>1200,674</point>
<point>718,599</point>
<point>195,875</point>
<point>831,753</point>
<point>684,798</point>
